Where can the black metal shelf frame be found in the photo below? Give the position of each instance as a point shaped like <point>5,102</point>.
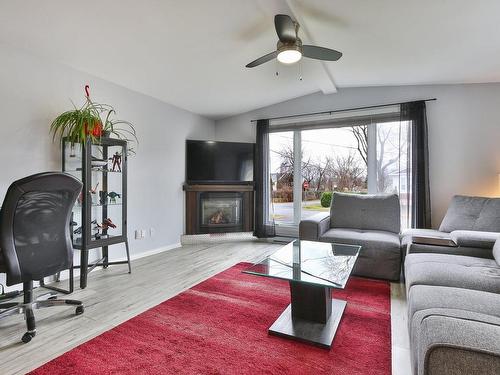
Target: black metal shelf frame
<point>88,241</point>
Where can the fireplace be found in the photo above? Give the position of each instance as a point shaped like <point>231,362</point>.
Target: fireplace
<point>220,212</point>
<point>218,208</point>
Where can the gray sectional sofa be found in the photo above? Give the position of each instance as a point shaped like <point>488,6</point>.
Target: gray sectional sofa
<point>453,292</point>
<point>372,221</point>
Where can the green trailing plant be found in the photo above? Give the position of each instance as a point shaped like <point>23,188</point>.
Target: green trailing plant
<point>87,122</point>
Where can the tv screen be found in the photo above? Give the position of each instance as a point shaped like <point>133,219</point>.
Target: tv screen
<point>212,162</point>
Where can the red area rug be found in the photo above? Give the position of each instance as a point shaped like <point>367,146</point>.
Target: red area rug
<point>220,327</point>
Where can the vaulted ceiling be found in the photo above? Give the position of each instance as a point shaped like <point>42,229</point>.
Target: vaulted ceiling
<point>192,53</point>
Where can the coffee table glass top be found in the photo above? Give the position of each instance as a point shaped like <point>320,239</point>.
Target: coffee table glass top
<point>320,263</point>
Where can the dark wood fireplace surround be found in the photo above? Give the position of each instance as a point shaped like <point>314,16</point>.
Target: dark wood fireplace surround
<point>194,192</point>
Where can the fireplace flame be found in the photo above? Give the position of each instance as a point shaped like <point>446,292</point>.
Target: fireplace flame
<point>218,218</point>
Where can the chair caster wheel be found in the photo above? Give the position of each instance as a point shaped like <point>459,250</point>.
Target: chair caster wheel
<point>79,310</point>
<point>27,337</point>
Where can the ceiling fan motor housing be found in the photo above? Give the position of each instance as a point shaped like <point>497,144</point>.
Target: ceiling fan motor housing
<point>297,46</point>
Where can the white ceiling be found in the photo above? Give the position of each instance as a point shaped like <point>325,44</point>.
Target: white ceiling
<point>192,53</point>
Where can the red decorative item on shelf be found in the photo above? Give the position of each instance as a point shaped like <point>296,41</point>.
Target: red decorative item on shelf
<point>95,129</point>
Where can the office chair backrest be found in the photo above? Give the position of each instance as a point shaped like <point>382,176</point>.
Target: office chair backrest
<point>35,226</point>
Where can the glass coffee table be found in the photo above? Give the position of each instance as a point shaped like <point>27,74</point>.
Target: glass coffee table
<point>313,270</point>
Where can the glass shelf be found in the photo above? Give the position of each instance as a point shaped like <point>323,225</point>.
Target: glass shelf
<point>99,205</point>
<point>78,240</point>
<point>93,170</point>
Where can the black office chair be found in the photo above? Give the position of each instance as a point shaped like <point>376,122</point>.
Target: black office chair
<point>35,239</point>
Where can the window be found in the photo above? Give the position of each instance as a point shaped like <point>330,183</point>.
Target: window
<point>281,169</point>
<point>356,152</point>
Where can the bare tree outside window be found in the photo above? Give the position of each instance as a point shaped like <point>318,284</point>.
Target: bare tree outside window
<point>348,173</point>
<point>389,150</point>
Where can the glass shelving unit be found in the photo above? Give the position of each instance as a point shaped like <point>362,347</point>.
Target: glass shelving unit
<point>99,217</point>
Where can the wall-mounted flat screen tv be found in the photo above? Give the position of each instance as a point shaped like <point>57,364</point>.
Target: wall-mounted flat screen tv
<point>219,162</point>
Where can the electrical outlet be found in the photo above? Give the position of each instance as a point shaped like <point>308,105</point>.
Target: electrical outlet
<point>151,232</point>
<point>143,233</point>
<point>138,234</point>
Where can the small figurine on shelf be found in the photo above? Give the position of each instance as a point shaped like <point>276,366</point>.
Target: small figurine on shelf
<point>112,196</point>
<point>108,223</point>
<point>103,197</point>
<point>97,229</point>
<point>105,225</point>
<point>117,162</point>
<point>94,190</point>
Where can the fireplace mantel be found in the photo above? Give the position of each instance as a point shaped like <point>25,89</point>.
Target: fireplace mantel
<point>218,187</point>
<point>196,193</point>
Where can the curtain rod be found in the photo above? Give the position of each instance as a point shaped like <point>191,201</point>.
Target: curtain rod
<point>343,110</point>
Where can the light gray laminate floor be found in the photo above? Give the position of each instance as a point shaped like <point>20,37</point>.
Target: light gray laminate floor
<point>114,296</point>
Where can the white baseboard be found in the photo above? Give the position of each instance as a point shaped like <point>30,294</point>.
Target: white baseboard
<point>155,251</point>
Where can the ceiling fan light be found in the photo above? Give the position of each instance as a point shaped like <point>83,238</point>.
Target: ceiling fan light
<point>289,56</point>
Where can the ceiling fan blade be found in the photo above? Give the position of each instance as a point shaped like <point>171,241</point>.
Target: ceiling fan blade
<point>321,53</point>
<point>285,28</point>
<point>262,59</point>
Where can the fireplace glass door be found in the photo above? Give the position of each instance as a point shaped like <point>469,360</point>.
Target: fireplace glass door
<point>220,212</point>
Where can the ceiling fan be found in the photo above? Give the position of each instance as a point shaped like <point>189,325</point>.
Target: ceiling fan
<point>289,49</point>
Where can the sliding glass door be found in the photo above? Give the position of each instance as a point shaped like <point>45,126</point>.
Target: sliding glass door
<point>282,177</point>
<point>309,161</point>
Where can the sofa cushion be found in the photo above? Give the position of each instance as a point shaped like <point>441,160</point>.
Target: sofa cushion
<point>366,212</point>
<point>380,254</point>
<point>453,341</point>
<point>472,213</point>
<point>422,297</point>
<point>453,271</point>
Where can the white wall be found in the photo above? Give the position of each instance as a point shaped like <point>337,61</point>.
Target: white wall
<point>464,132</point>
<point>33,91</point>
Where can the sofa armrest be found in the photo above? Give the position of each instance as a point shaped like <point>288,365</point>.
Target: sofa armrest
<point>451,341</point>
<point>313,228</point>
<point>471,238</point>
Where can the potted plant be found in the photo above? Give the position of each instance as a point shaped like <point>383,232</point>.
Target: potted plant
<point>87,122</point>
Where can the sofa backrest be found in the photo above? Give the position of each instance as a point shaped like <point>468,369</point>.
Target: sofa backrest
<point>365,212</point>
<point>472,213</point>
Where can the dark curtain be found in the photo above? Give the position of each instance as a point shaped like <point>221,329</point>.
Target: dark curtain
<point>263,226</point>
<point>415,113</point>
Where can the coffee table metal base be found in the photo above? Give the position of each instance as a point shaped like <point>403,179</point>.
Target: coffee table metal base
<point>312,317</point>
<point>311,332</point>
